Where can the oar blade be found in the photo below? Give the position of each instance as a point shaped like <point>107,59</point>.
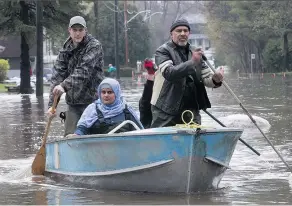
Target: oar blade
<point>39,163</point>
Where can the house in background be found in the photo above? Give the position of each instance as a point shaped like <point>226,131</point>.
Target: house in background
<point>10,50</point>
<point>198,36</point>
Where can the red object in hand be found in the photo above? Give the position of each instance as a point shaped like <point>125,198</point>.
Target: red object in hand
<point>149,66</point>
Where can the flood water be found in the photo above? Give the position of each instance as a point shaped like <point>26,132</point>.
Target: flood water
<point>251,179</point>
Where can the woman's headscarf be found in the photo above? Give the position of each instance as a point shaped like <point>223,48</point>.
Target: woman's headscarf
<point>117,106</point>
<point>90,116</point>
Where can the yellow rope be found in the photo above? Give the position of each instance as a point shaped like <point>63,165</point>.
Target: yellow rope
<point>190,124</point>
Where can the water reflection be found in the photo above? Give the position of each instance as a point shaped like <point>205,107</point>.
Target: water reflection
<point>66,196</point>
<point>40,108</point>
<point>26,124</point>
<point>41,198</point>
<point>40,117</point>
<point>26,109</point>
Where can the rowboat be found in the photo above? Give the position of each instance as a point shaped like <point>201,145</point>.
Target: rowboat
<point>168,159</point>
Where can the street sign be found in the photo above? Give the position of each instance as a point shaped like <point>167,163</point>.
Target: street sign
<point>252,56</point>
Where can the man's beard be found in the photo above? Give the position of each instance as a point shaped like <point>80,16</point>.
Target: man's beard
<point>182,43</point>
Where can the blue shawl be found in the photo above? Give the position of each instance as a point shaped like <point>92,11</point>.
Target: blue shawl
<point>89,116</point>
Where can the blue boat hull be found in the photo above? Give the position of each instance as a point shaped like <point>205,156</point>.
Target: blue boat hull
<point>153,160</point>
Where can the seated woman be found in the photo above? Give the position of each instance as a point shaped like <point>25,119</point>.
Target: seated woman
<point>107,112</point>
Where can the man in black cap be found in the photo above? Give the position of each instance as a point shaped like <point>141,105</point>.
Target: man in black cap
<point>77,72</point>
<point>181,79</point>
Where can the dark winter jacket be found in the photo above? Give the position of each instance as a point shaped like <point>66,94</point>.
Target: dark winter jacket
<point>170,84</point>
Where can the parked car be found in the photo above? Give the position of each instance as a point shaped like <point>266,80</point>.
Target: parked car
<point>48,73</point>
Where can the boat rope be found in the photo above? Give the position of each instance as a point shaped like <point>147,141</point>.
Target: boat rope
<point>191,123</point>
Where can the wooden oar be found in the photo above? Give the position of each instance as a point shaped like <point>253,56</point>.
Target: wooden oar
<point>249,115</point>
<point>39,163</point>
<point>223,125</point>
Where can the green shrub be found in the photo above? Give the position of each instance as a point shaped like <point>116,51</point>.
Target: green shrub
<point>273,56</point>
<point>4,67</point>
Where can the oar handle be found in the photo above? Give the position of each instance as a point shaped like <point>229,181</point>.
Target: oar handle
<point>245,143</point>
<point>248,114</point>
<point>54,106</point>
<point>47,129</point>
<point>39,163</point>
<point>223,82</point>
<point>55,103</point>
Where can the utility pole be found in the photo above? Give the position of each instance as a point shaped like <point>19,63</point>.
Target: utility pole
<point>252,56</point>
<point>126,33</point>
<point>116,31</point>
<point>39,39</point>
<point>145,5</point>
<point>25,87</point>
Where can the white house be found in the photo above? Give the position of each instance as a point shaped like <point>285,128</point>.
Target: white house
<point>10,49</point>
<point>198,36</point>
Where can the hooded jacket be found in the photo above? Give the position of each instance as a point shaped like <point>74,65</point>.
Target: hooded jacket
<point>79,71</point>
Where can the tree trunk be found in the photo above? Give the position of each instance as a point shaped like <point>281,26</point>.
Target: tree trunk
<point>25,87</point>
<point>286,52</point>
<point>242,62</point>
<point>96,17</point>
<point>259,56</point>
<point>246,54</point>
<point>177,13</point>
<point>40,55</point>
<point>164,10</point>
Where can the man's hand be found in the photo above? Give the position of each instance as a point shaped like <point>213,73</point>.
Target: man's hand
<point>58,90</point>
<point>51,113</point>
<point>218,75</point>
<point>197,55</point>
<point>150,77</point>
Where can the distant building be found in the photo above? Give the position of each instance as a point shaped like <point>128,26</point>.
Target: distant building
<point>12,53</point>
<point>198,36</point>
<point>10,50</point>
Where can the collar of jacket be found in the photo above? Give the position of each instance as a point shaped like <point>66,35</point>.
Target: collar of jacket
<point>68,43</point>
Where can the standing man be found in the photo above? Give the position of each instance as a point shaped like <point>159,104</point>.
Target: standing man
<point>144,102</point>
<point>111,71</point>
<point>77,72</point>
<point>181,79</point>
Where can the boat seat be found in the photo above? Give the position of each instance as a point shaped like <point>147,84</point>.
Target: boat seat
<point>123,124</point>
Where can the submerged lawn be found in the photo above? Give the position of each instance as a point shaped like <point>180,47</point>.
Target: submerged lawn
<point>2,88</point>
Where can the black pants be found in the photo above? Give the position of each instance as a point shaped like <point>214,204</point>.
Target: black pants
<point>162,119</point>
<point>73,115</point>
<point>145,106</point>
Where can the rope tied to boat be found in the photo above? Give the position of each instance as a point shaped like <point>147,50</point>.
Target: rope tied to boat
<point>191,124</point>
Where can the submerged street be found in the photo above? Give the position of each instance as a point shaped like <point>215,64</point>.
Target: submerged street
<point>251,179</point>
